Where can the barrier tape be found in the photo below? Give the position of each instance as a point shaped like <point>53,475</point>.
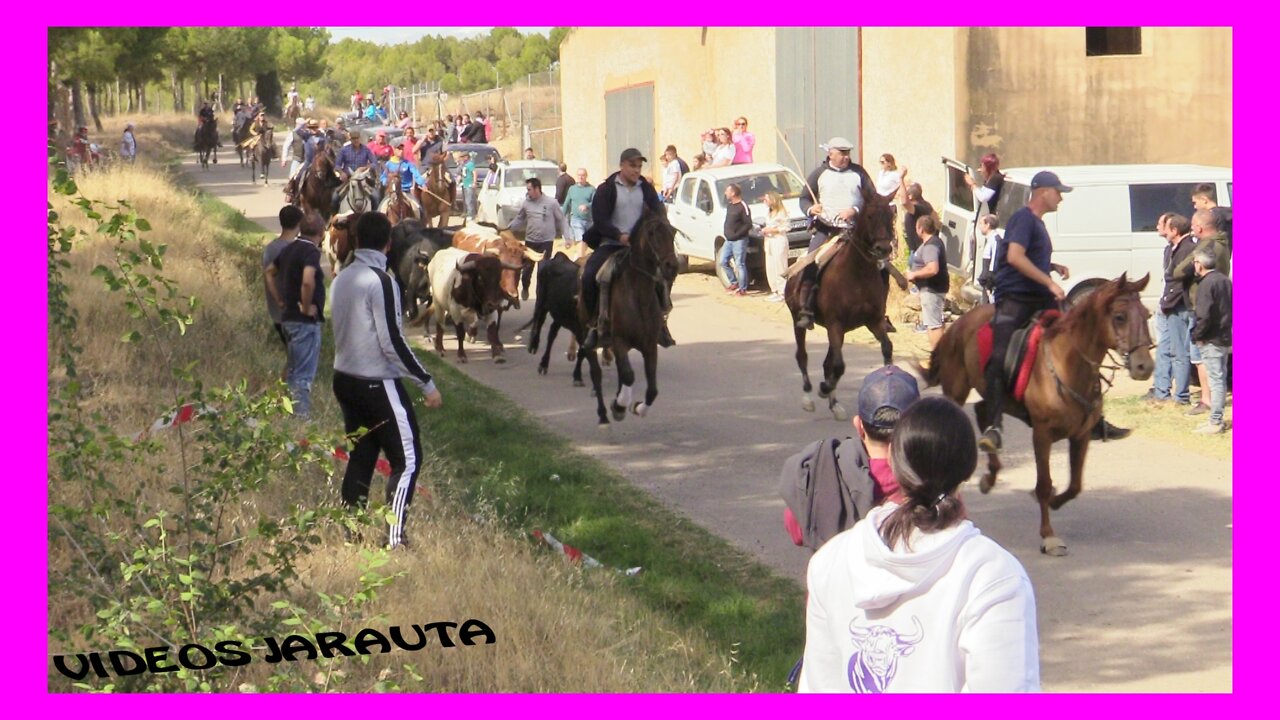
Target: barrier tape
<point>576,556</point>
<point>190,411</point>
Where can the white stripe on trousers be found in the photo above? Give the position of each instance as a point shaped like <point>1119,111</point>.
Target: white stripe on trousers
<point>400,502</point>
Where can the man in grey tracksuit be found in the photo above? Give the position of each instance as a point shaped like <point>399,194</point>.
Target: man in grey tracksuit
<point>371,356</point>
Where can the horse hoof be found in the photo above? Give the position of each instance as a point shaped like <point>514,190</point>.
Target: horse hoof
<point>604,427</point>
<point>462,359</point>
<point>1053,546</point>
<point>579,383</point>
<point>542,369</point>
<point>986,483</point>
<point>823,391</point>
<point>807,404</point>
<point>619,412</point>
<point>639,409</point>
<point>571,356</point>
<point>838,411</point>
<point>499,359</point>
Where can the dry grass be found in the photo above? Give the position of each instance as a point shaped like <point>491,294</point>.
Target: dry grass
<point>559,629</point>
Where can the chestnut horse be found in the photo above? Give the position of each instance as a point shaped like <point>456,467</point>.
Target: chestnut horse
<point>636,312</point>
<point>1063,398</point>
<point>315,191</point>
<point>851,294</point>
<point>438,196</point>
<point>396,205</point>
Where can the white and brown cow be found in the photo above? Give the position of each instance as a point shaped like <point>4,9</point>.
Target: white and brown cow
<point>466,290</point>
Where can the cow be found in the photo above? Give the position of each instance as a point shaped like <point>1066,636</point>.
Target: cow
<point>558,296</point>
<point>504,245</point>
<point>875,656</point>
<point>412,247</point>
<point>340,241</point>
<point>466,289</point>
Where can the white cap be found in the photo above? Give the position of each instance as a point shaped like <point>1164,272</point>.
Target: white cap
<point>837,143</point>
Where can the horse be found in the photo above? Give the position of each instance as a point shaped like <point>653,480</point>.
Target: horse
<point>240,133</point>
<point>339,240</point>
<point>356,194</point>
<point>314,191</point>
<point>207,143</point>
<point>396,205</point>
<point>292,113</point>
<point>262,154</point>
<point>1063,396</point>
<point>438,196</point>
<point>851,295</point>
<point>648,267</point>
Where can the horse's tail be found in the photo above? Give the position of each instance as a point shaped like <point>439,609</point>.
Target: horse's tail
<point>947,345</point>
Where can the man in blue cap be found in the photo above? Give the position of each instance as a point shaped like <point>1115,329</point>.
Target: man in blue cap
<point>1022,288</point>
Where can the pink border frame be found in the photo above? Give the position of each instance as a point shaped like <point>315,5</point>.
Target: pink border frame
<point>26,663</point>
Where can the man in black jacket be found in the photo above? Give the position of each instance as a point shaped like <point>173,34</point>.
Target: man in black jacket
<point>618,204</point>
<point>737,228</point>
<point>1173,318</point>
<point>1212,332</point>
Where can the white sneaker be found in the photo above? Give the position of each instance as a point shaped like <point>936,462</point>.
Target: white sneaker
<point>775,297</point>
<point>1210,429</point>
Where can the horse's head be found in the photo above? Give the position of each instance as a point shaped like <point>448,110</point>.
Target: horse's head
<point>1124,323</point>
<point>654,240</point>
<point>874,226</point>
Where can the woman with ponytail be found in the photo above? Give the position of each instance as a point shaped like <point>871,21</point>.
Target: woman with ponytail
<point>915,598</point>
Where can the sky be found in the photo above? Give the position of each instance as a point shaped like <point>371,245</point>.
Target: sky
<point>397,35</point>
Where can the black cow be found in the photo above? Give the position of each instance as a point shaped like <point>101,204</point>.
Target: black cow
<point>557,295</point>
<point>412,247</point>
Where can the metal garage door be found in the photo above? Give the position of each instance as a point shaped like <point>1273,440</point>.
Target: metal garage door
<point>817,93</point>
<point>629,123</point>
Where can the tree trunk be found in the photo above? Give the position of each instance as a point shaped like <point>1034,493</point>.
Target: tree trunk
<point>77,105</point>
<point>93,106</point>
<point>176,88</point>
<point>267,87</point>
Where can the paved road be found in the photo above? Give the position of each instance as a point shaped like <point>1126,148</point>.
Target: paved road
<point>1142,604</point>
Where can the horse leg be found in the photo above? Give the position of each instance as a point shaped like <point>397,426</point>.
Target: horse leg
<point>495,344</point>
<point>886,345</point>
<point>1078,448</point>
<point>802,360</point>
<point>626,378</point>
<point>597,380</point>
<point>1042,441</point>
<point>959,393</point>
<point>832,371</point>
<point>650,355</point>
<point>577,365</point>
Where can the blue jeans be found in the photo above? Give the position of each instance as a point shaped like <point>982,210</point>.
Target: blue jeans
<point>738,248</point>
<point>1173,358</point>
<point>1215,364</point>
<point>469,200</point>
<point>304,359</point>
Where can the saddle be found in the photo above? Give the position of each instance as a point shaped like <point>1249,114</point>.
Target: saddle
<point>1024,346</point>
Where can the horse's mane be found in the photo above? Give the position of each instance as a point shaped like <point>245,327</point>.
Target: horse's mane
<point>1093,305</point>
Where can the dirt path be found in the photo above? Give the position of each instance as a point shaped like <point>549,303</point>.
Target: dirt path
<point>1142,604</point>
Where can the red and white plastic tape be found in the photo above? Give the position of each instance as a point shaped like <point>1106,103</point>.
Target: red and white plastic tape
<point>574,555</point>
<point>191,411</point>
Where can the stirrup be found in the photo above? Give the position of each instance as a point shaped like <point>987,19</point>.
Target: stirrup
<point>805,320</point>
<point>991,440</point>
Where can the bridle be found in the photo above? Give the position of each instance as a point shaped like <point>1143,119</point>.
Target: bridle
<point>1126,343</point>
<point>652,252</point>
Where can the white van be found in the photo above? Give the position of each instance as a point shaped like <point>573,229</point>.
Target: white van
<point>1105,226</point>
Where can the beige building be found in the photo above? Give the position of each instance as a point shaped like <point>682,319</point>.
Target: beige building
<point>1035,96</point>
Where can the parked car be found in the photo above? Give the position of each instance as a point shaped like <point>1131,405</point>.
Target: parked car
<point>697,212</point>
<point>483,154</point>
<point>1105,226</point>
<point>500,200</point>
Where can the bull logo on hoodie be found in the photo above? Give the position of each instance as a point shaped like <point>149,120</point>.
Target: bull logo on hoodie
<point>875,655</point>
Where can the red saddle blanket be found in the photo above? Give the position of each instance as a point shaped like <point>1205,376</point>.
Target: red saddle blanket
<point>1023,348</point>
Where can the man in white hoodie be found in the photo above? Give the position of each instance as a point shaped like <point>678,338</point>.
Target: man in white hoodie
<point>915,598</point>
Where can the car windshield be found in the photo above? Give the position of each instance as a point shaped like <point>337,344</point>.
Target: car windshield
<point>755,186</point>
<point>515,177</point>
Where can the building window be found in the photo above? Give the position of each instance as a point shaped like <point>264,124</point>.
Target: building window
<point>1112,41</point>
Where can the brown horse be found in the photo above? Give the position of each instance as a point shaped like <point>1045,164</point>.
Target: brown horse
<point>262,154</point>
<point>636,312</point>
<point>340,240</point>
<point>396,205</point>
<point>438,196</point>
<point>315,192</point>
<point>851,295</point>
<point>1063,398</point>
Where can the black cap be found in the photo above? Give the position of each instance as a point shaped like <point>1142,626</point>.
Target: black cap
<point>631,154</point>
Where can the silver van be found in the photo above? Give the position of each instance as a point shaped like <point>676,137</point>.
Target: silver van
<point>1105,226</point>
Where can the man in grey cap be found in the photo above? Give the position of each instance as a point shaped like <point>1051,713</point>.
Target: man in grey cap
<point>616,208</point>
<point>832,199</point>
<point>1022,288</point>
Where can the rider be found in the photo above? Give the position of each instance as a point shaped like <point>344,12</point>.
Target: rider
<point>1022,287</point>
<point>353,156</point>
<point>619,202</point>
<point>409,174</point>
<point>832,199</point>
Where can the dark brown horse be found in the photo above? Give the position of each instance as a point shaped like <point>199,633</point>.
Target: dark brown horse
<point>438,196</point>
<point>396,205</point>
<point>206,144</point>
<point>851,294</point>
<point>315,192</point>
<point>636,312</point>
<point>261,155</point>
<point>1063,398</point>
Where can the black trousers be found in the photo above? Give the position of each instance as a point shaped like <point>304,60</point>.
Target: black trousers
<point>1012,312</point>
<point>526,274</point>
<point>384,410</point>
<point>590,287</point>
